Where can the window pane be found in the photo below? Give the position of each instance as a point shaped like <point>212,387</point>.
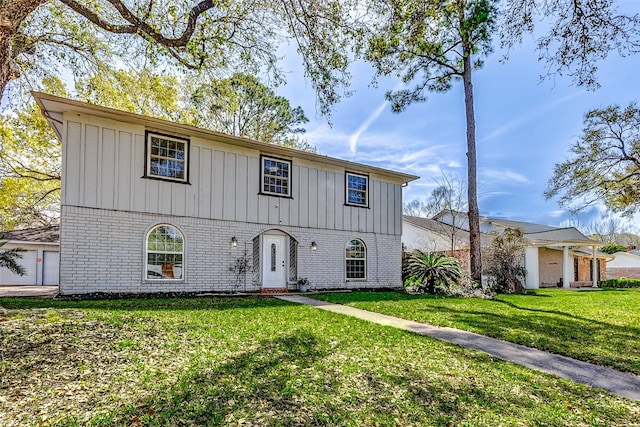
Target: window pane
<point>275,176</point>
<point>164,253</point>
<point>355,260</point>
<point>167,158</point>
<point>357,189</point>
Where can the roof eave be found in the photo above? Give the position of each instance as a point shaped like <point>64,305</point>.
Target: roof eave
<point>46,102</point>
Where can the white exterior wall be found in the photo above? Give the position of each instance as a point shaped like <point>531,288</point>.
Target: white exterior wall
<point>532,265</point>
<point>624,260</point>
<point>103,251</point>
<point>40,262</point>
<point>427,241</point>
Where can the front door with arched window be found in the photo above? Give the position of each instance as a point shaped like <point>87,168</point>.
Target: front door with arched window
<point>274,261</point>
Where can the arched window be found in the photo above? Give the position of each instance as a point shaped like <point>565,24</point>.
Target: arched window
<point>356,260</point>
<point>165,253</point>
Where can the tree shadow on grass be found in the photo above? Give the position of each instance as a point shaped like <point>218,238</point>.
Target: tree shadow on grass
<point>147,304</point>
<point>567,335</point>
<point>277,384</point>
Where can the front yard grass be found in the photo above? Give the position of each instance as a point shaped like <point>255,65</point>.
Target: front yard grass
<point>255,361</point>
<point>601,327</point>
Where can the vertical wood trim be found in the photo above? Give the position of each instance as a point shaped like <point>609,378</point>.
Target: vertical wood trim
<point>89,176</point>
<point>322,199</point>
<point>377,221</point>
<point>217,195</point>
<point>241,188</point>
<point>229,190</point>
<point>339,201</point>
<point>391,199</point>
<point>398,211</point>
<point>304,197</point>
<point>313,192</point>
<point>205,182</point>
<point>137,171</point>
<point>253,188</point>
<point>296,193</point>
<point>109,170</point>
<point>125,181</point>
<point>71,153</point>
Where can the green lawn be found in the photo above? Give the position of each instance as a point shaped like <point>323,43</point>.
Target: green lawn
<point>253,361</point>
<point>602,327</point>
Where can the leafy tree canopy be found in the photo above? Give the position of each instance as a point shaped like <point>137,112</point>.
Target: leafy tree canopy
<point>242,106</point>
<point>612,249</point>
<point>30,167</point>
<point>30,153</point>
<point>604,165</point>
<point>40,37</point>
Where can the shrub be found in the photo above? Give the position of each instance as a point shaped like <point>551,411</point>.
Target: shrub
<point>429,272</point>
<point>622,283</point>
<point>504,262</point>
<point>613,248</point>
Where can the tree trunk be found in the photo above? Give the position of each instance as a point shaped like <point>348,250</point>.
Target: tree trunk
<point>12,14</point>
<point>472,190</point>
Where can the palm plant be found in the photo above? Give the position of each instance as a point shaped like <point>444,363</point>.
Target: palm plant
<point>430,271</point>
<point>8,258</point>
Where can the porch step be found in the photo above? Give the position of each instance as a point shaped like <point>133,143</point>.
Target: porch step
<point>274,291</point>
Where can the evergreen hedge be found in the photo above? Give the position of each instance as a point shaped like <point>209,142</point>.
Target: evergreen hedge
<point>620,283</point>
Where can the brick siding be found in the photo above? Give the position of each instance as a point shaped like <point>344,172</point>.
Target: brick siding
<point>103,251</point>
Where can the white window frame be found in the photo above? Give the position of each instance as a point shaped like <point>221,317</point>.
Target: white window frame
<point>149,156</point>
<point>364,260</point>
<point>347,189</point>
<point>263,159</point>
<point>147,252</point>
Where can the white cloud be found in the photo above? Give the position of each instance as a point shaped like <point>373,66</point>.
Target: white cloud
<point>525,118</point>
<point>353,140</point>
<point>503,175</point>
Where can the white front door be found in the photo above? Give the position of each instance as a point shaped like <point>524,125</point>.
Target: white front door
<point>274,267</point>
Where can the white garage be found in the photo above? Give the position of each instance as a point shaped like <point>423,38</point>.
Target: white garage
<point>41,259</point>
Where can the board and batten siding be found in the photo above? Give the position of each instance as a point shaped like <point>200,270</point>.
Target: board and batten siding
<point>105,166</point>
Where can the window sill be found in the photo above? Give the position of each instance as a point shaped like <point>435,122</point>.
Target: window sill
<point>282,196</point>
<point>159,178</point>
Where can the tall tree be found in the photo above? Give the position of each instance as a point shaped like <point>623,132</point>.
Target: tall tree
<point>30,167</point>
<point>430,45</point>
<point>241,105</point>
<point>219,36</point>
<point>137,91</point>
<point>30,154</point>
<point>604,166</point>
<point>578,34</point>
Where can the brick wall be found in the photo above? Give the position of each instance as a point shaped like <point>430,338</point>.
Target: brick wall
<point>103,251</point>
<point>550,266</point>
<point>626,272</point>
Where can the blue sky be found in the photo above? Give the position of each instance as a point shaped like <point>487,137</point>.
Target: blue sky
<point>524,126</point>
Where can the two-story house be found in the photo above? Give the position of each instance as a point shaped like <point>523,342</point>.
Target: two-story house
<point>148,205</point>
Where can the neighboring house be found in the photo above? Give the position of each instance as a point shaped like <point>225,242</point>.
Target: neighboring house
<point>40,260</point>
<point>555,257</point>
<point>624,264</point>
<point>148,205</point>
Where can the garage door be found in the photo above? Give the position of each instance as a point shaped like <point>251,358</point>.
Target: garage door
<point>50,267</point>
<point>29,262</point>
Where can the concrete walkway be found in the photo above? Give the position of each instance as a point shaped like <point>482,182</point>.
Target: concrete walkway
<point>626,385</point>
<point>28,291</point>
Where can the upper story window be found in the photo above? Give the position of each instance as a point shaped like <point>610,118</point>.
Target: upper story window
<point>165,253</point>
<point>276,176</point>
<point>357,190</point>
<point>167,157</point>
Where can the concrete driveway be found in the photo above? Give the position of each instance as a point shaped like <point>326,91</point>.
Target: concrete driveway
<point>28,291</point>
